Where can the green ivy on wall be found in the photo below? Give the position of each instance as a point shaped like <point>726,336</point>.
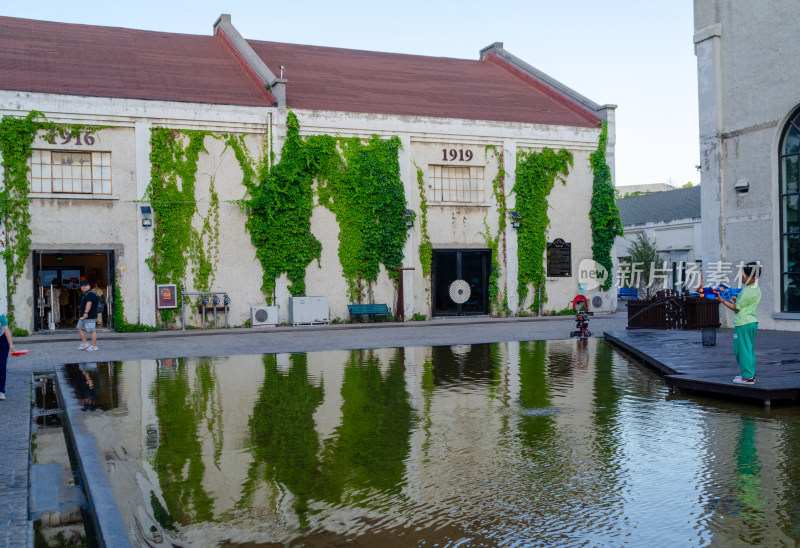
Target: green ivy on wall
<point>204,248</point>
<point>604,215</point>
<point>120,324</point>
<point>496,242</point>
<point>16,139</point>
<point>279,208</point>
<point>536,174</point>
<point>368,199</point>
<point>173,173</point>
<point>425,245</point>
<point>360,185</point>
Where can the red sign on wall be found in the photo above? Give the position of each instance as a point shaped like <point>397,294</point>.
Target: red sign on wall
<point>167,296</point>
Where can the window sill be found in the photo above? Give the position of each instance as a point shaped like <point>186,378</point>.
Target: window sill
<point>458,204</point>
<point>786,316</point>
<point>67,196</point>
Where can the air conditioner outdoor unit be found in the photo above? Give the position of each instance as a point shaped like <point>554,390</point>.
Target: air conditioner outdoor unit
<point>602,301</point>
<point>263,315</point>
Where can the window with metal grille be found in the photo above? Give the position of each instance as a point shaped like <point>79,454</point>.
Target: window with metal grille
<point>70,172</point>
<point>789,162</point>
<point>457,183</point>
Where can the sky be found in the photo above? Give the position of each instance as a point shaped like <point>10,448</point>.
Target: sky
<point>633,54</point>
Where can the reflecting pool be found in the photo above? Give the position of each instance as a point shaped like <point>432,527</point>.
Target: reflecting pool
<point>543,443</point>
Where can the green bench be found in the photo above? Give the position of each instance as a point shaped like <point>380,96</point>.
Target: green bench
<point>368,309</point>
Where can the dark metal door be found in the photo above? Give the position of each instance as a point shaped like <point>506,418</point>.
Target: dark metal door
<point>468,269</point>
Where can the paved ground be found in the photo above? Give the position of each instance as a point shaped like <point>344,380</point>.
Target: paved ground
<point>47,351</point>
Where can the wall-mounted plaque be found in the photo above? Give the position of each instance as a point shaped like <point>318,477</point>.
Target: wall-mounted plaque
<point>167,296</point>
<point>559,259</point>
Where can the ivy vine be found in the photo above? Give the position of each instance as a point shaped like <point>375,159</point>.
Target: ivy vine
<point>536,174</point>
<point>120,324</point>
<point>16,140</point>
<point>425,245</point>
<point>279,208</point>
<point>603,214</point>
<point>171,193</point>
<point>367,197</point>
<point>496,242</point>
<point>359,182</point>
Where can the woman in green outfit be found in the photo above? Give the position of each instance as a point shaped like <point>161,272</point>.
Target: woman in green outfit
<point>745,323</point>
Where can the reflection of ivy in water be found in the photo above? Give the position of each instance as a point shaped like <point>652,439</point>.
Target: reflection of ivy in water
<point>283,438</point>
<point>374,437</point>
<point>606,443</point>
<point>179,458</point>
<point>606,403</point>
<point>536,431</point>
<point>428,387</point>
<point>207,404</point>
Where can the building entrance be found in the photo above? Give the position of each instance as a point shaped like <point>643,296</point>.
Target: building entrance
<point>56,286</point>
<point>461,282</point>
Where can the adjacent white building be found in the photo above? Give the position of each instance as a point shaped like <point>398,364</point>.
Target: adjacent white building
<point>749,99</point>
<point>673,219</point>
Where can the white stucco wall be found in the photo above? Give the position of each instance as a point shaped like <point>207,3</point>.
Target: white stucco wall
<point>114,223</point>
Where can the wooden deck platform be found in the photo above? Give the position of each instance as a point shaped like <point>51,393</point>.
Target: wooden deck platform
<point>688,365</point>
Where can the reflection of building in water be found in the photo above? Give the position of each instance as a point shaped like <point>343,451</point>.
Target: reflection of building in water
<point>305,432</point>
<point>408,437</point>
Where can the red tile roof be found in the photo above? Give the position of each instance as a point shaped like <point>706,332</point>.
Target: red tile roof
<point>323,78</point>
<point>65,58</point>
<point>97,61</point>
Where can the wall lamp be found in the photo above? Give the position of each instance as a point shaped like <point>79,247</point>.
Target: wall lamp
<point>147,216</point>
<point>409,218</point>
<point>742,186</point>
<point>516,219</point>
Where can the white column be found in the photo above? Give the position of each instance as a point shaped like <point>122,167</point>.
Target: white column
<point>512,263</point>
<point>709,94</point>
<point>147,292</point>
<point>408,176</point>
<point>3,270</point>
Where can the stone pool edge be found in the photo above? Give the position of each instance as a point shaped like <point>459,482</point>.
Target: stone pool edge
<point>106,518</point>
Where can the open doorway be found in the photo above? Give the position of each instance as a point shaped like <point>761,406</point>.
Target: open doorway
<point>56,286</point>
<point>461,282</point>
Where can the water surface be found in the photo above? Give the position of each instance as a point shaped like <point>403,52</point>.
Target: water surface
<point>556,443</point>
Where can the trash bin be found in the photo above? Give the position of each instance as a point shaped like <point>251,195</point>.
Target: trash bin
<point>709,336</point>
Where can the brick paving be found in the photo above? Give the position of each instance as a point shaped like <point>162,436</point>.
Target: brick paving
<point>15,428</point>
<point>47,351</point>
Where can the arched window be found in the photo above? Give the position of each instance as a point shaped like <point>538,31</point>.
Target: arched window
<point>789,152</point>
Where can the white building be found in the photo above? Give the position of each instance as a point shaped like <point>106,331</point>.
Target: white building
<point>749,99</point>
<point>672,218</point>
<point>458,123</point>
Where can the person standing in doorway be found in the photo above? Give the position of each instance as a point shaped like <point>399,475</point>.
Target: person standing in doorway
<point>88,319</point>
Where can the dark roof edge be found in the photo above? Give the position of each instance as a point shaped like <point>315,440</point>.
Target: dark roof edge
<point>274,86</point>
<point>601,111</point>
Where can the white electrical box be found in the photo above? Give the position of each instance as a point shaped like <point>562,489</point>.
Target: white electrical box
<point>308,310</point>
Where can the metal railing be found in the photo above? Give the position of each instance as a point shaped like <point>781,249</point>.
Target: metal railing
<point>206,298</point>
